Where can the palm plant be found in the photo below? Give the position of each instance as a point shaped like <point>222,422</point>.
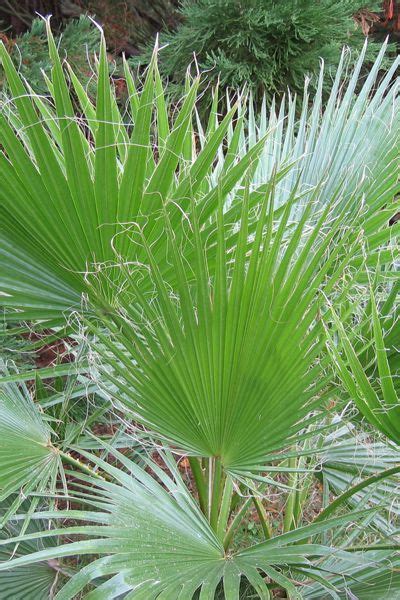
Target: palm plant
<point>205,280</point>
<point>53,180</point>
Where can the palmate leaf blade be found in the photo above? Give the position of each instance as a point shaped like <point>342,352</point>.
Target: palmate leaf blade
<point>28,460</point>
<point>182,552</point>
<point>204,365</point>
<point>47,195</point>
<point>35,581</point>
<point>330,141</point>
<point>27,583</point>
<point>70,230</point>
<point>152,541</point>
<point>16,172</point>
<point>57,199</point>
<point>31,287</point>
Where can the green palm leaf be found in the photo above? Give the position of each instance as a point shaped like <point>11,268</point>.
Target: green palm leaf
<point>29,462</point>
<point>350,459</point>
<point>378,579</point>
<point>33,582</point>
<point>154,542</point>
<point>329,142</point>
<point>73,201</point>
<point>205,362</point>
<point>208,272</point>
<point>68,204</point>
<point>376,399</point>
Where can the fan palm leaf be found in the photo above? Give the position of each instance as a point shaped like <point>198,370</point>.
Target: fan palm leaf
<point>226,363</point>
<point>72,185</point>
<point>153,541</point>
<point>209,282</point>
<point>31,582</point>
<point>380,579</point>
<point>352,459</point>
<point>22,473</point>
<point>65,197</point>
<point>328,142</point>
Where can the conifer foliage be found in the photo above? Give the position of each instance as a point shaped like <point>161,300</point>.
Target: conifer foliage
<point>264,44</point>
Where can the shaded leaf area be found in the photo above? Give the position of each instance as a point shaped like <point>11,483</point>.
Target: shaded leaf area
<point>374,390</point>
<point>379,578</point>
<point>352,457</point>
<point>31,582</point>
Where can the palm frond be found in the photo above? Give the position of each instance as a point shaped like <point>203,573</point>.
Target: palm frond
<point>35,581</point>
<point>380,578</point>
<point>376,398</point>
<point>74,185</point>
<point>226,362</point>
<point>328,142</point>
<point>152,540</point>
<point>352,458</point>
<point>29,462</point>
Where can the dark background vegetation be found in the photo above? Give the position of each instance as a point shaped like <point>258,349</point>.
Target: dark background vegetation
<point>128,24</point>
<point>267,45</point>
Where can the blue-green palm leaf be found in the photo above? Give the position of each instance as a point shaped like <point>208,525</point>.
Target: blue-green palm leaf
<point>152,541</point>
<point>33,582</point>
